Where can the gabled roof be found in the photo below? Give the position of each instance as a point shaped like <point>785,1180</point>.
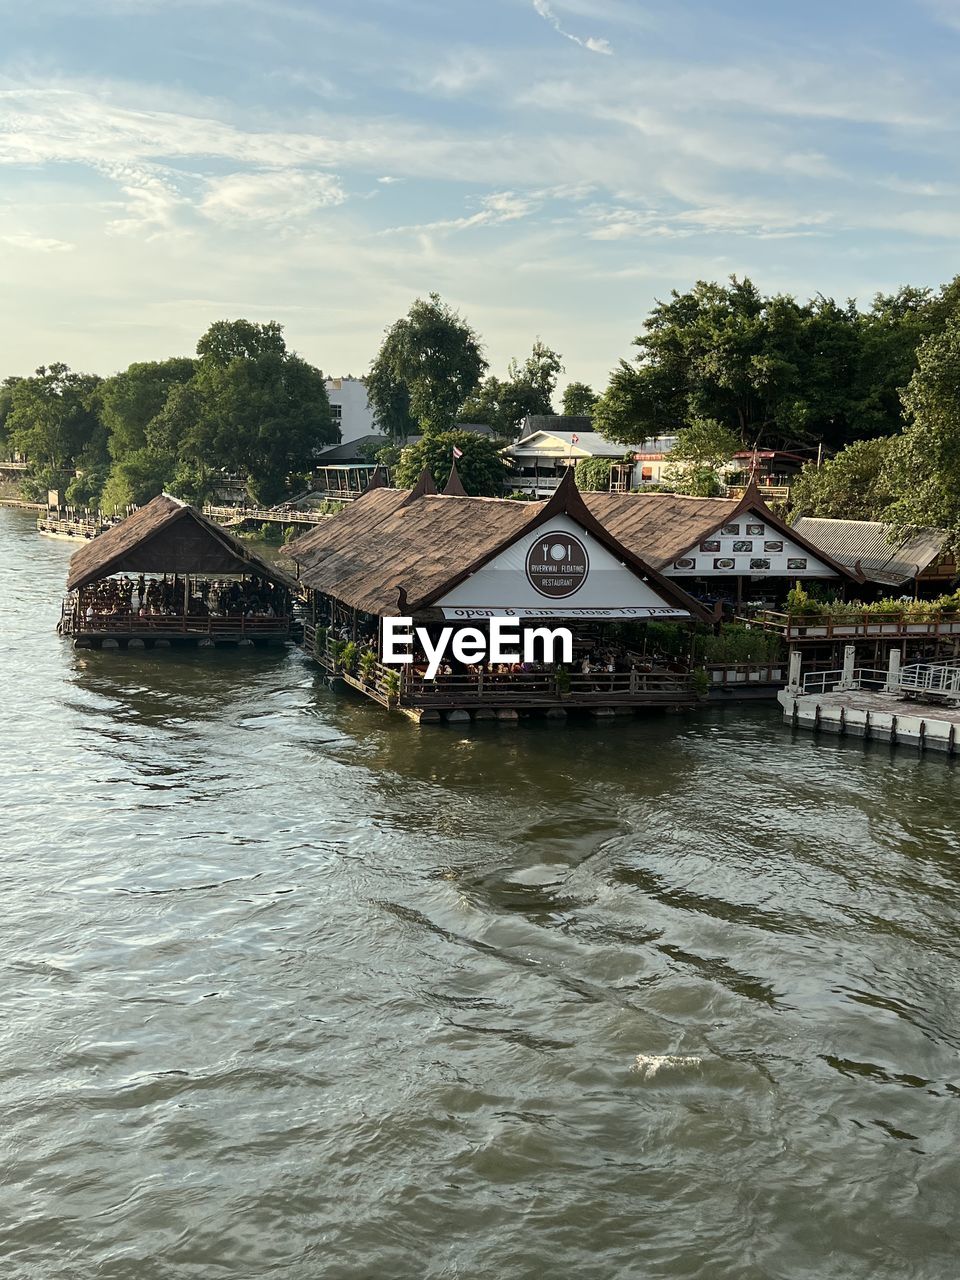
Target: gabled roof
<point>868,545</point>
<point>349,449</point>
<point>167,536</point>
<point>665,526</point>
<point>590,444</point>
<point>424,544</point>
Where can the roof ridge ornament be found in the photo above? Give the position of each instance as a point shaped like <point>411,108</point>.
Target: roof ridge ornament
<point>423,488</point>
<point>454,486</point>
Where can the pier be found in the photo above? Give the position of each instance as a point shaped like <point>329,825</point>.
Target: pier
<point>916,705</point>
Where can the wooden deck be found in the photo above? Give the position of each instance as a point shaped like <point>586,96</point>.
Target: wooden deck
<point>92,632</point>
<point>847,626</point>
<point>517,691</point>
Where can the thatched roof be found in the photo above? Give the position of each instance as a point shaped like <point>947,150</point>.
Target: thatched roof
<point>167,536</point>
<point>664,526</point>
<point>422,544</point>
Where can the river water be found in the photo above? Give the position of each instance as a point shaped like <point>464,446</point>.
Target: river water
<point>292,988</point>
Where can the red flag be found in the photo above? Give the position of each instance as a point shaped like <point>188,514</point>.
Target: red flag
<point>457,453</point>
<point>574,439</point>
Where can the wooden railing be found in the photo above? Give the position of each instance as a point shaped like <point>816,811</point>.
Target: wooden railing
<point>861,625</point>
<point>501,688</point>
<point>75,622</point>
<point>265,515</point>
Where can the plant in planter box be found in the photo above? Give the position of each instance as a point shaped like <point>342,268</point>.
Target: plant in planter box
<point>391,683</point>
<point>348,656</point>
<point>367,665</point>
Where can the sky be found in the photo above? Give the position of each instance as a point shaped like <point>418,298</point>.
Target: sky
<point>550,167</point>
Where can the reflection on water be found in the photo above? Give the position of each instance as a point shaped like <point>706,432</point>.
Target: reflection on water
<point>293,988</point>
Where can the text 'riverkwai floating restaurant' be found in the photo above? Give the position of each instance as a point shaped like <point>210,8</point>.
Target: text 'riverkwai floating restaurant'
<point>168,575</point>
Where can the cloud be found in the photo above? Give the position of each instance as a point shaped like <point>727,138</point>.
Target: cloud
<point>496,208</point>
<point>594,43</point>
<point>388,181</point>
<point>38,244</point>
<point>276,197</point>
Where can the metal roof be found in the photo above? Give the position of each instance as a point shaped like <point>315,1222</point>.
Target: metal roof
<point>881,556</point>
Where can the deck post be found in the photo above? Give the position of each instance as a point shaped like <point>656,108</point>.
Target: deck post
<point>793,678</point>
<point>893,672</point>
<point>846,676</point>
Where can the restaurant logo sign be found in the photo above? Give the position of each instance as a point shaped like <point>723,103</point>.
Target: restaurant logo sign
<point>557,565</point>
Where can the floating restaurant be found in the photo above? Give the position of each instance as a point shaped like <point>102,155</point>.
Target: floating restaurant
<point>446,559</point>
<point>194,583</point>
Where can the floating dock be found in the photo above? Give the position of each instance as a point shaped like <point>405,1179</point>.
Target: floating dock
<point>916,706</point>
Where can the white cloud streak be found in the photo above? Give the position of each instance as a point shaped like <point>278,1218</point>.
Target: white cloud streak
<point>594,43</point>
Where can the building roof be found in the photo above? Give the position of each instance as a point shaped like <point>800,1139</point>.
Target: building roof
<point>871,547</point>
<point>402,549</point>
<point>664,526</point>
<point>167,536</point>
<point>547,442</point>
<point>349,450</point>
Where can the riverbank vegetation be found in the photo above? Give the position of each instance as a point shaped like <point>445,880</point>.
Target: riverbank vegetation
<point>722,366</point>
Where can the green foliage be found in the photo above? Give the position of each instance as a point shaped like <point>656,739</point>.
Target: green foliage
<point>347,657</point>
<point>854,485</point>
<point>481,468</point>
<point>696,458</point>
<point>135,479</point>
<point>774,371</point>
<point>37,483</point>
<point>129,401</point>
<point>700,683</point>
<point>366,665</point>
<point>391,684</point>
<point>579,400</point>
<point>736,643</point>
<point>85,488</point>
<point>528,388</point>
<point>923,466</point>
<point>593,474</point>
<point>800,603</point>
<point>429,364</point>
<point>53,416</point>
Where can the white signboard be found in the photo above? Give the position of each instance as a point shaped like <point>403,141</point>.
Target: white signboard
<point>558,571</point>
<point>749,547</point>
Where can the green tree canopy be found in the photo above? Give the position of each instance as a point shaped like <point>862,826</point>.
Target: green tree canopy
<point>428,365</point>
<point>132,399</point>
<point>579,400</point>
<point>593,474</point>
<point>923,467</point>
<point>481,468</point>
<point>528,388</point>
<point>135,479</point>
<point>53,417</point>
<point>696,458</point>
<point>851,486</point>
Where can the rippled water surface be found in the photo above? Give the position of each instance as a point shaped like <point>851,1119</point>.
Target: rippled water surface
<point>295,989</point>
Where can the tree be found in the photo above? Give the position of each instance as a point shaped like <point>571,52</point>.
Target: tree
<point>504,403</point>
<point>923,466</point>
<point>696,458</point>
<point>773,371</point>
<point>852,486</point>
<point>251,406</point>
<point>481,468</point>
<point>579,400</point>
<point>428,365</point>
<point>593,474</point>
<point>135,479</point>
<point>53,417</point>
<point>132,399</point>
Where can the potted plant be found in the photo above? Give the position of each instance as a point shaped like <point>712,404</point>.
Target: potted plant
<point>367,666</point>
<point>391,684</point>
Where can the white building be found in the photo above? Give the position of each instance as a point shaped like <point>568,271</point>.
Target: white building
<point>541,456</point>
<point>350,408</point>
